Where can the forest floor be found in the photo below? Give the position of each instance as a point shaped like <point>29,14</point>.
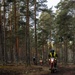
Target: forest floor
<point>35,70</point>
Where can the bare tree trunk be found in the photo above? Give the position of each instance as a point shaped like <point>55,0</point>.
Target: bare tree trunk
<point>16,29</point>
<point>4,52</point>
<point>43,52</point>
<point>27,35</point>
<point>35,30</point>
<point>65,51</point>
<point>11,45</point>
<point>1,38</point>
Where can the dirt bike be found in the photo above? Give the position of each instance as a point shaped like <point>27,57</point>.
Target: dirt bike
<point>53,64</point>
<point>41,62</point>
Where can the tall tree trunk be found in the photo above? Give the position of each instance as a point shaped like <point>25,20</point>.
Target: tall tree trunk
<point>65,51</point>
<point>11,45</point>
<point>35,30</point>
<point>27,34</point>
<point>4,52</point>
<point>16,30</point>
<point>1,39</point>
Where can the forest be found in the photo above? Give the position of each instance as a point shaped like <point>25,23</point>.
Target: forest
<point>28,28</point>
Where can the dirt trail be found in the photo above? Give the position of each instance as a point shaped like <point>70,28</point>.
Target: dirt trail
<point>61,71</point>
<point>37,70</point>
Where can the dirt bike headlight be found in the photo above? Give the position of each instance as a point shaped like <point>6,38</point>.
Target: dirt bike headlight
<point>52,60</point>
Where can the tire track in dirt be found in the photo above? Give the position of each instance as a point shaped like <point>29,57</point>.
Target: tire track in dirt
<point>61,71</point>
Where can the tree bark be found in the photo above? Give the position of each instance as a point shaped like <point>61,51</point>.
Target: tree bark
<point>1,39</point>
<point>35,30</point>
<point>11,45</point>
<point>27,34</point>
<point>16,35</point>
<point>4,37</point>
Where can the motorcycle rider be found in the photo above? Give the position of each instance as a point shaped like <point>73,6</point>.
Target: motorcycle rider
<point>54,55</point>
<point>34,60</point>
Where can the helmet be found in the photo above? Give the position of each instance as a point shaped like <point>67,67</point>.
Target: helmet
<point>52,51</point>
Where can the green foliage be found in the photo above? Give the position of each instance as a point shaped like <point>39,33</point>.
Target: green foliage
<point>64,20</point>
<point>45,26</point>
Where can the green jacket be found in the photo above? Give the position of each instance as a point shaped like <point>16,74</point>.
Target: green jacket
<point>53,54</point>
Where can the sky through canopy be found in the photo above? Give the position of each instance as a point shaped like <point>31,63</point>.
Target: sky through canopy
<point>52,3</point>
